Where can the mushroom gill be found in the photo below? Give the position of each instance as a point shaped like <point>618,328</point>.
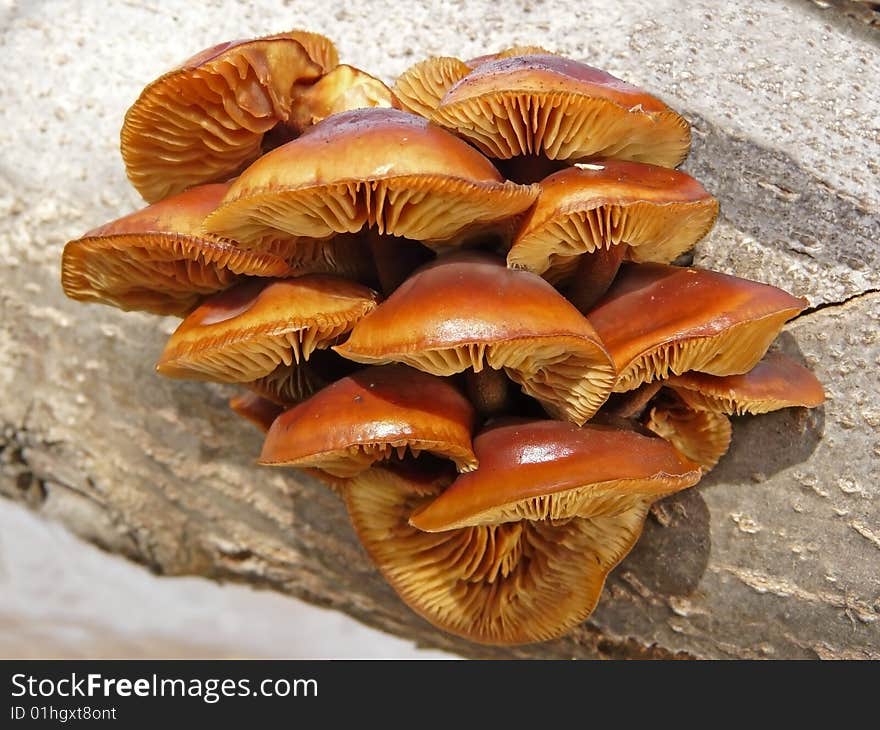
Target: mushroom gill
<point>159,260</point>
<point>702,436</point>
<point>511,583</point>
<point>246,332</point>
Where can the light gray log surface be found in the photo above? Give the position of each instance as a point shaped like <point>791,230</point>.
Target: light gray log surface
<point>777,554</point>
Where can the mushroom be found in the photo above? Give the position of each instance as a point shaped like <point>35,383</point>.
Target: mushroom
<point>420,88</point>
<point>510,583</point>
<point>205,120</point>
<point>372,415</point>
<point>775,382</point>
<point>702,436</point>
<point>258,410</point>
<point>658,321</point>
<point>550,106</point>
<point>469,311</point>
<point>369,167</point>
<point>159,260</point>
<point>340,90</point>
<point>550,470</point>
<point>657,212</point>
<point>246,332</point>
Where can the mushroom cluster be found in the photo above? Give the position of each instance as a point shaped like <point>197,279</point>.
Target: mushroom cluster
<point>454,301</point>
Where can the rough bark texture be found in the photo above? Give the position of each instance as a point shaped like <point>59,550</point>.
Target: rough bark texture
<point>776,554</point>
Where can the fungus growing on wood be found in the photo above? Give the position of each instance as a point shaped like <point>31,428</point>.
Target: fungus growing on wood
<point>510,583</point>
<point>550,470</point>
<point>158,259</point>
<point>469,311</point>
<point>246,332</point>
<point>775,382</point>
<point>372,415</point>
<point>370,167</point>
<point>656,212</point>
<point>702,436</point>
<point>547,105</point>
<point>205,120</point>
<point>657,321</point>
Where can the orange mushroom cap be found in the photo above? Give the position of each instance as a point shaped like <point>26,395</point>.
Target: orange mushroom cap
<point>258,410</point>
<point>371,415</point>
<point>369,167</point>
<point>659,213</point>
<point>512,583</point>
<point>544,104</point>
<point>468,311</point>
<point>775,382</point>
<point>702,436</point>
<point>658,321</point>
<point>550,470</point>
<point>158,259</point>
<point>246,332</point>
<point>205,120</point>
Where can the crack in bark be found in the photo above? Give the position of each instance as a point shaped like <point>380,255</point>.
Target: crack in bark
<point>832,305</point>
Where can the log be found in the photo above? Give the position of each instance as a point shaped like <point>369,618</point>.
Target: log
<point>776,554</point>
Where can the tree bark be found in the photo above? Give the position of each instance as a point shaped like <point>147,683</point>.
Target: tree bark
<point>776,554</point>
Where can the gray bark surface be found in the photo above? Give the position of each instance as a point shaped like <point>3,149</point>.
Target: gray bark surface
<point>776,554</point>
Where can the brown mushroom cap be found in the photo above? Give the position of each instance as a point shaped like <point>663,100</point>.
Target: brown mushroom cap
<point>498,584</point>
<point>550,470</point>
<point>369,167</point>
<point>659,213</point>
<point>341,90</point>
<point>258,410</point>
<point>371,415</point>
<point>775,382</point>
<point>544,104</point>
<point>702,436</point>
<point>469,311</point>
<point>158,259</point>
<point>206,119</point>
<point>246,332</point>
<point>658,321</point>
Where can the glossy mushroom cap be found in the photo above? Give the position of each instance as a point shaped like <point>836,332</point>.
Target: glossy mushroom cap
<point>205,120</point>
<point>775,382</point>
<point>256,409</point>
<point>373,415</point>
<point>158,259</point>
<point>550,470</point>
<point>512,583</point>
<point>369,167</point>
<point>658,321</point>
<point>701,436</point>
<point>659,213</point>
<point>551,106</point>
<point>246,332</point>
<point>469,311</point>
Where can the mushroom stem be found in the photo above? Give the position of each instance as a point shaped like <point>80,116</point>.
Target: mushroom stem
<point>395,258</point>
<point>593,277</point>
<point>489,391</point>
<point>280,134</point>
<point>631,404</point>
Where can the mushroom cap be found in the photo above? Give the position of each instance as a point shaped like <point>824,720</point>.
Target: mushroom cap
<point>658,321</point>
<point>423,84</point>
<point>544,104</point>
<point>550,470</point>
<point>205,120</point>
<point>512,583</point>
<point>371,415</point>
<point>467,311</point>
<point>775,382</point>
<point>659,213</point>
<point>343,89</point>
<point>246,332</point>
<point>158,259</point>
<point>378,167</point>
<point>258,410</point>
<point>702,436</point>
